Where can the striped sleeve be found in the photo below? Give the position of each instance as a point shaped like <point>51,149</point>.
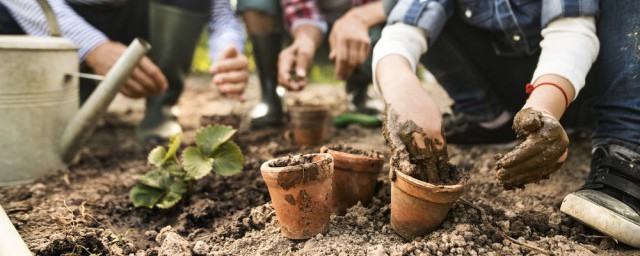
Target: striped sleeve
<point>30,17</point>
<point>224,29</point>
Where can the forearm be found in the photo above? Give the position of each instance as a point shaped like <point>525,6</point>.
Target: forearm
<point>308,34</point>
<point>370,14</point>
<point>569,48</point>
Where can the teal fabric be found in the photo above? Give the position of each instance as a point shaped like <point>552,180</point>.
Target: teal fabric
<point>271,7</point>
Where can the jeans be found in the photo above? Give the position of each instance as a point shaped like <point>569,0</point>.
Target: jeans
<point>618,75</point>
<point>483,84</point>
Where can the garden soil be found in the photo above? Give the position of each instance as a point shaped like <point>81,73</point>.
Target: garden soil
<point>86,210</point>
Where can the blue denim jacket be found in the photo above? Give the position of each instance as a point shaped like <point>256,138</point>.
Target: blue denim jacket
<point>514,24</point>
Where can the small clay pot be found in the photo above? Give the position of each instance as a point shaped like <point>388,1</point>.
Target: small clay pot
<point>309,123</point>
<point>300,189</point>
<point>232,120</point>
<point>355,175</point>
<point>418,207</point>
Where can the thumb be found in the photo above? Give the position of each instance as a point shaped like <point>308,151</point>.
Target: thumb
<point>228,52</point>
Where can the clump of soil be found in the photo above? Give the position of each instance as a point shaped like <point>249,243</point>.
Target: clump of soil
<point>352,150</point>
<point>426,160</point>
<point>291,160</point>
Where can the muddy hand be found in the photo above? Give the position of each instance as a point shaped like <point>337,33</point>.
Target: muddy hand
<point>413,149</point>
<point>542,152</point>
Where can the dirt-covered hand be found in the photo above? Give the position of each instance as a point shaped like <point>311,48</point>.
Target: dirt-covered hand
<point>542,152</point>
<point>294,62</point>
<point>415,153</point>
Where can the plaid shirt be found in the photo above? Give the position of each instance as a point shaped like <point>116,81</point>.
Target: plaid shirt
<point>298,12</point>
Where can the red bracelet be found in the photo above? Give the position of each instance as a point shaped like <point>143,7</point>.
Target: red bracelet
<point>530,88</point>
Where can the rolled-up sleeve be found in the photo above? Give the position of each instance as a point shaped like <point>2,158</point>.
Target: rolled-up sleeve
<point>224,29</point>
<point>299,12</point>
<point>555,9</point>
<point>30,17</point>
<point>429,15</point>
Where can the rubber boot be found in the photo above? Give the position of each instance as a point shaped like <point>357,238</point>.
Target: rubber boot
<point>268,112</point>
<point>173,34</point>
<point>357,87</point>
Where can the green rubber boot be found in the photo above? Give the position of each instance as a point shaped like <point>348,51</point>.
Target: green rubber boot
<point>268,112</point>
<point>173,34</point>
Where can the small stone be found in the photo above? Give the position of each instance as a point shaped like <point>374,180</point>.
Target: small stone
<point>496,246</point>
<point>201,248</point>
<point>510,214</point>
<point>174,245</point>
<point>376,250</point>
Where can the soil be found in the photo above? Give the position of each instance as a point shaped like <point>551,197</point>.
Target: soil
<point>291,160</point>
<point>416,154</point>
<point>86,209</point>
<point>353,151</point>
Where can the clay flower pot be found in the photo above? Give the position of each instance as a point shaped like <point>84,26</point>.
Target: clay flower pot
<point>418,207</point>
<point>232,120</point>
<point>354,176</point>
<point>300,189</point>
<point>309,123</point>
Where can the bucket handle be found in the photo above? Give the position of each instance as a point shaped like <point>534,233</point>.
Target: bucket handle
<point>54,28</point>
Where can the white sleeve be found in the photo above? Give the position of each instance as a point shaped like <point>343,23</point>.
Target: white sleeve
<point>401,39</point>
<point>73,27</point>
<point>569,48</point>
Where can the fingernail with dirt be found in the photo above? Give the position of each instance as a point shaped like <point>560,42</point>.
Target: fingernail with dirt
<point>424,184</point>
<point>300,189</point>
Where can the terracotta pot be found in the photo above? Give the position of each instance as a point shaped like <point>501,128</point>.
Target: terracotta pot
<point>230,120</point>
<point>354,176</point>
<point>418,207</point>
<point>301,194</point>
<point>309,123</point>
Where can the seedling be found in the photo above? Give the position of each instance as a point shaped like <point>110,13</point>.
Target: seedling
<point>164,186</point>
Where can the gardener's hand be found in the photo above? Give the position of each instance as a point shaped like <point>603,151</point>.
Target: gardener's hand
<point>542,152</point>
<point>146,78</point>
<point>413,122</point>
<point>295,60</point>
<point>231,73</point>
<point>350,45</point>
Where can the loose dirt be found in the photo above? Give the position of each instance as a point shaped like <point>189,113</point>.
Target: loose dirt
<point>353,151</point>
<point>86,209</point>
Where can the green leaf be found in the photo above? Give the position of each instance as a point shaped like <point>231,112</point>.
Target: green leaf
<point>174,145</point>
<point>146,196</point>
<point>196,165</point>
<point>154,179</point>
<point>211,137</point>
<point>169,201</point>
<point>156,156</point>
<point>228,159</point>
<point>178,187</point>
<point>175,170</point>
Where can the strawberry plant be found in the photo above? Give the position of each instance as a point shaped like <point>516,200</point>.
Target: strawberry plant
<point>164,186</point>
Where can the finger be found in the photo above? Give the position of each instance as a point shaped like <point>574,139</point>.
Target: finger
<point>229,65</point>
<point>229,52</point>
<point>542,164</point>
<point>135,89</point>
<point>303,61</point>
<point>154,72</point>
<point>231,77</point>
<point>145,81</point>
<point>126,92</point>
<point>231,88</point>
<point>364,52</point>
<point>285,63</point>
<point>519,178</point>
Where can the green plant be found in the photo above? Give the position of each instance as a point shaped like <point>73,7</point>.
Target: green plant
<point>164,186</point>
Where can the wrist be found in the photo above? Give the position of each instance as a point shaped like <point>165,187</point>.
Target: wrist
<point>369,15</point>
<point>552,94</point>
<point>307,35</point>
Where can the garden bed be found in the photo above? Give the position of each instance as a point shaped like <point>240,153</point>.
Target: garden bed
<point>86,209</point>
